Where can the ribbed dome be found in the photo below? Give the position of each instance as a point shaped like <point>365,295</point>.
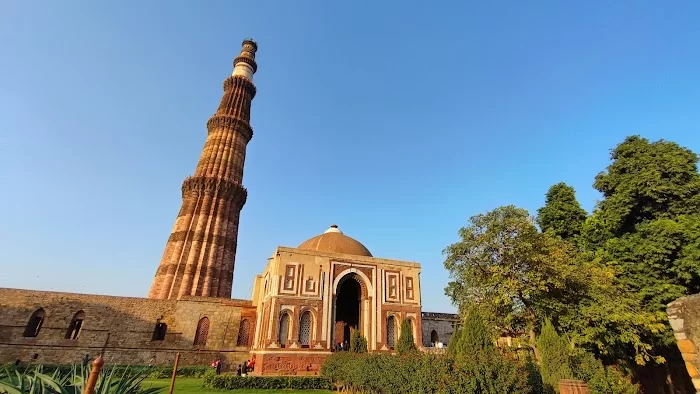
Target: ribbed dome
<point>333,240</point>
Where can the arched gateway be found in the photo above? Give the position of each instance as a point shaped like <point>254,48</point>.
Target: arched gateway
<point>347,306</point>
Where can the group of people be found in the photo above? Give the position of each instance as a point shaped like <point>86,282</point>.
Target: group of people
<point>342,346</point>
<point>217,364</point>
<point>242,370</point>
<point>247,366</point>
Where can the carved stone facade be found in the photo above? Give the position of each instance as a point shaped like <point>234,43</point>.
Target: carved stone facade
<point>339,292</point>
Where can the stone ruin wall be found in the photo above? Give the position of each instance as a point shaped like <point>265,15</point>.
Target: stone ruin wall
<point>443,324</point>
<point>130,323</point>
<point>684,316</point>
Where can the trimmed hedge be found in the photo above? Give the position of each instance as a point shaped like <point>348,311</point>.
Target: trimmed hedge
<point>160,372</point>
<point>233,382</point>
<point>426,373</point>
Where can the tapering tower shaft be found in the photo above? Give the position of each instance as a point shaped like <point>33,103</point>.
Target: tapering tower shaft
<point>200,254</point>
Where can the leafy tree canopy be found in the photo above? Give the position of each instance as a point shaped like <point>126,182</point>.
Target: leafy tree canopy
<point>561,214</point>
<point>503,263</point>
<point>647,227</point>
<point>517,275</point>
<point>647,181</point>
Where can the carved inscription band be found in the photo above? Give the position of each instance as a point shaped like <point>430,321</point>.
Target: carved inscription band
<point>194,186</point>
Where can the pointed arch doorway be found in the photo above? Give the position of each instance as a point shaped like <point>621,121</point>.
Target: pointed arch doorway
<point>347,309</point>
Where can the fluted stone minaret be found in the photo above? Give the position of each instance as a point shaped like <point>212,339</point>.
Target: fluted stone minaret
<point>200,254</point>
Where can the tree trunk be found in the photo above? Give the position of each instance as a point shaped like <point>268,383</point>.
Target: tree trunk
<point>533,343</point>
<point>531,318</point>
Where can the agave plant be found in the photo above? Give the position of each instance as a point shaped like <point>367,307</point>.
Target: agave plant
<point>35,382</point>
<point>128,381</point>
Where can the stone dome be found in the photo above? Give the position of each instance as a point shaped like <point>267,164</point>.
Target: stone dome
<point>333,240</point>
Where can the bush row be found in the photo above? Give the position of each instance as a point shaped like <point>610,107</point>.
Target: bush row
<point>484,373</point>
<point>152,372</point>
<point>232,382</point>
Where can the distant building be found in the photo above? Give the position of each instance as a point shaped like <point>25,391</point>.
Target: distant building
<point>304,304</point>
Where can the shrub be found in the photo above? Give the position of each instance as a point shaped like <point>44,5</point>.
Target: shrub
<point>234,382</point>
<point>455,342</point>
<point>600,379</point>
<point>474,336</point>
<point>358,343</point>
<point>406,342</point>
<point>554,353</point>
<point>534,377</point>
<point>490,373</point>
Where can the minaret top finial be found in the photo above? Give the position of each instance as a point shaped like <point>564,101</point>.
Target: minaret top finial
<point>244,64</point>
<point>251,42</point>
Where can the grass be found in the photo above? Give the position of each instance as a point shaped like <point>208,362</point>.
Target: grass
<point>192,385</point>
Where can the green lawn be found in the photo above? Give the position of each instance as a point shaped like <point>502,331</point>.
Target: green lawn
<point>190,385</point>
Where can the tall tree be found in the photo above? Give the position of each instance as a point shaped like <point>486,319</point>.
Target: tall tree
<point>647,226</point>
<point>503,263</point>
<point>517,275</point>
<point>561,214</point>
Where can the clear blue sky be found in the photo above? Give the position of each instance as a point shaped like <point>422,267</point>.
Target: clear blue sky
<point>396,120</point>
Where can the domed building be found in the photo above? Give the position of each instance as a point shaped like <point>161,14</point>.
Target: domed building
<point>310,298</point>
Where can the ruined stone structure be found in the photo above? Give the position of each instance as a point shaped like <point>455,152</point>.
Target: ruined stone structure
<point>684,316</point>
<point>438,327</point>
<point>52,327</point>
<point>307,300</point>
<point>200,254</point>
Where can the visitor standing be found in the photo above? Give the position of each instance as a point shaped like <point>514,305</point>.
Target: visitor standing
<point>86,360</point>
<point>218,367</point>
<point>238,370</point>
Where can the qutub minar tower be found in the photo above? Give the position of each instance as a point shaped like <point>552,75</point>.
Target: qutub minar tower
<point>200,254</point>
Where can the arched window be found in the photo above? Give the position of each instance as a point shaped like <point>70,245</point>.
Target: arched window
<point>391,332</point>
<point>76,324</point>
<point>305,329</point>
<point>434,337</point>
<point>35,321</point>
<point>159,331</point>
<point>243,333</point>
<point>200,338</point>
<point>284,329</point>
